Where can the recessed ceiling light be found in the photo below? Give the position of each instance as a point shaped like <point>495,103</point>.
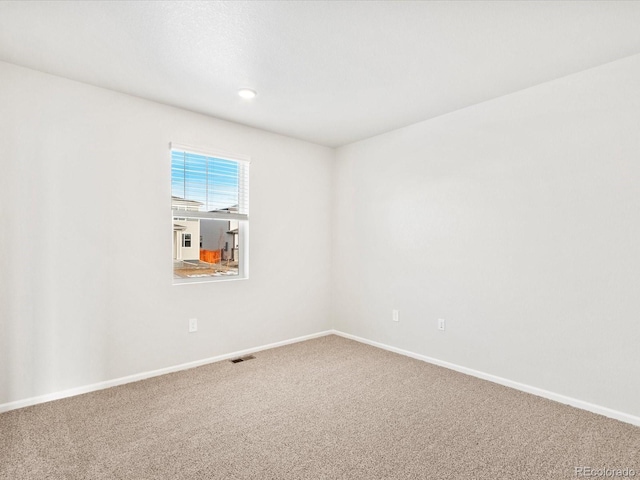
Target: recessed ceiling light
<point>247,93</point>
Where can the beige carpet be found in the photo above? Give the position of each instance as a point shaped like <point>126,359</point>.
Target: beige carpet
<point>328,408</point>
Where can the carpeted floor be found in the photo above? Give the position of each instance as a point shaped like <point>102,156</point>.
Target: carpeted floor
<point>328,408</point>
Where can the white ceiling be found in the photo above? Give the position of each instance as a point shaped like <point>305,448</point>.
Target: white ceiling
<point>328,72</point>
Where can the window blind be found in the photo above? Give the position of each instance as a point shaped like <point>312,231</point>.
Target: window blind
<point>209,185</point>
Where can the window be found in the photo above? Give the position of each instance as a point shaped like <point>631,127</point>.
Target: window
<point>209,203</point>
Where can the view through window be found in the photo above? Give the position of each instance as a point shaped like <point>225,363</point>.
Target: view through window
<point>210,214</point>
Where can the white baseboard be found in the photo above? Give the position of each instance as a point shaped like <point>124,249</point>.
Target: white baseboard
<point>27,402</point>
<point>590,407</point>
<point>574,402</point>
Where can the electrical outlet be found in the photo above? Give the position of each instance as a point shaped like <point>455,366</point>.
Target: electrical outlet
<point>193,325</point>
<point>395,316</point>
<point>441,324</point>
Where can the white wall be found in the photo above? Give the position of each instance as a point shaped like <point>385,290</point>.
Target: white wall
<point>85,238</point>
<point>517,221</point>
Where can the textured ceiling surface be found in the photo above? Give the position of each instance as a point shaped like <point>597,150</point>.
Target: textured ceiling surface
<point>328,72</point>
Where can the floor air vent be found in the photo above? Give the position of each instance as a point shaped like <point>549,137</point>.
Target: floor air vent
<point>242,359</point>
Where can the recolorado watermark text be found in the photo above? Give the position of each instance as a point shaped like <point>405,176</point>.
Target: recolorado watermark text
<point>604,472</point>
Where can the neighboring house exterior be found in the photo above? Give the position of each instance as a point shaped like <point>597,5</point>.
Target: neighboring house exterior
<point>222,235</point>
<point>186,231</point>
<point>190,235</point>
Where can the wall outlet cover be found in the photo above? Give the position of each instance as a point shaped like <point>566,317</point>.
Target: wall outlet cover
<point>193,325</point>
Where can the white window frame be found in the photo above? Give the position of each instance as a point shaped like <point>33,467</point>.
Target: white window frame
<point>243,219</point>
